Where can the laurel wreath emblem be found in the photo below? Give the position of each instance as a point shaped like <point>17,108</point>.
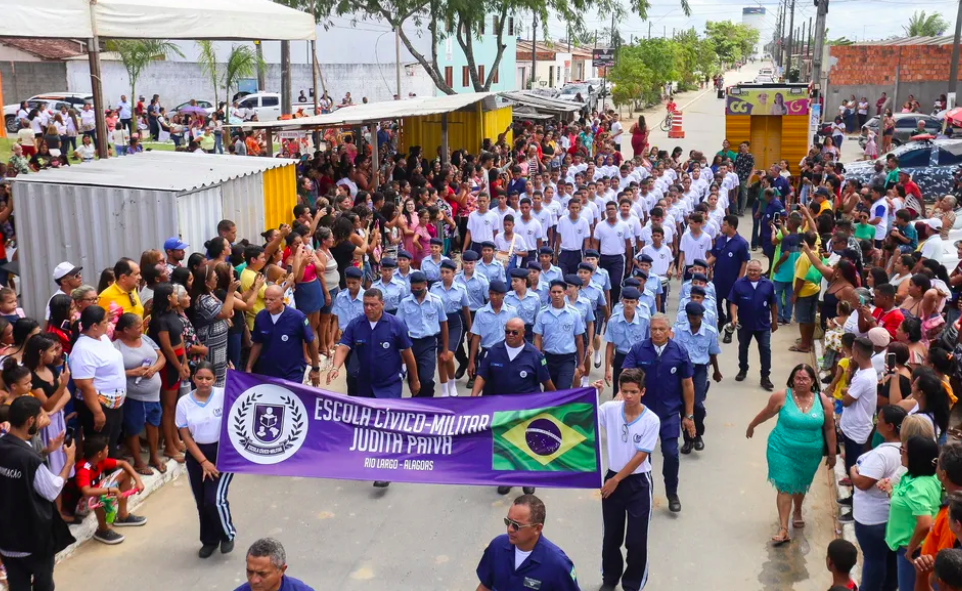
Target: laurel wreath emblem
<point>245,406</point>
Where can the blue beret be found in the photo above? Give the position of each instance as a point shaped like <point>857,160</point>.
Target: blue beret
<point>558,283</point>
<point>388,263</point>
<point>519,273</point>
<point>403,254</point>
<point>533,265</point>
<point>586,266</point>
<point>469,255</point>
<point>592,253</point>
<point>700,277</point>
<point>698,290</point>
<point>646,259</point>
<point>437,241</point>
<point>572,279</point>
<point>545,250</point>
<point>449,264</point>
<point>418,277</point>
<point>700,263</point>
<point>630,293</point>
<point>498,286</point>
<point>632,281</point>
<point>694,308</point>
<point>488,244</point>
<point>353,273</point>
<point>641,273</point>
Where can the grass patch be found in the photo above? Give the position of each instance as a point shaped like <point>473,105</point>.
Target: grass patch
<point>6,149</point>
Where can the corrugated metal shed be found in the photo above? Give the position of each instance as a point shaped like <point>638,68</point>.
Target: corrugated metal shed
<point>93,214</point>
<point>942,40</point>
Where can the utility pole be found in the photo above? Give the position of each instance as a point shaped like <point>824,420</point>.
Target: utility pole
<point>96,84</point>
<point>777,45</point>
<point>286,77</point>
<point>314,68</point>
<point>649,29</point>
<point>954,66</point>
<point>397,58</point>
<point>261,67</point>
<point>820,41</point>
<point>808,38</point>
<point>791,39</point>
<point>534,47</point>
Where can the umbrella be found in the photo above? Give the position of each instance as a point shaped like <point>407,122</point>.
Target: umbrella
<point>955,116</point>
<point>193,110</point>
<point>922,137</point>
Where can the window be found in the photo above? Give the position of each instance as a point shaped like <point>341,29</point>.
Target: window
<point>269,101</point>
<point>906,123</point>
<point>551,76</point>
<point>449,75</point>
<point>248,103</point>
<point>511,26</point>
<point>915,158</point>
<point>495,79</point>
<point>481,74</point>
<point>948,158</point>
<point>465,77</point>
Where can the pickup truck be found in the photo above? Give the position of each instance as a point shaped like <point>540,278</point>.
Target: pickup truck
<point>267,106</point>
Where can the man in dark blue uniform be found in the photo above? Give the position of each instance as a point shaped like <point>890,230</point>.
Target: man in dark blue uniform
<point>669,391</point>
<point>729,257</point>
<point>523,559</point>
<point>753,309</point>
<point>280,334</point>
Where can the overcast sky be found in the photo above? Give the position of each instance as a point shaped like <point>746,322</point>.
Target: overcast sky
<point>855,19</point>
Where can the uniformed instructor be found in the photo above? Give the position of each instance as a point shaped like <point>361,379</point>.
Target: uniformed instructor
<point>669,389</point>
<point>523,559</point>
<point>280,334</point>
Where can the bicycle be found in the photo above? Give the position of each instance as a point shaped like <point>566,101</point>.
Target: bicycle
<point>666,124</point>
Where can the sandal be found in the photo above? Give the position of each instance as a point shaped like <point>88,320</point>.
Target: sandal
<point>160,467</point>
<point>179,457</point>
<point>798,522</point>
<point>780,540</point>
<point>143,470</point>
<point>797,349</point>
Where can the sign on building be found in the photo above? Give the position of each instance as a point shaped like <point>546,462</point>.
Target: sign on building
<point>603,58</point>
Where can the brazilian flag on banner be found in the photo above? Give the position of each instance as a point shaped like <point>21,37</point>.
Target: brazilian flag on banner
<point>551,439</point>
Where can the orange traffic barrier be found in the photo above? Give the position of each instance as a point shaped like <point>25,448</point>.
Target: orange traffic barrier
<point>676,130</point>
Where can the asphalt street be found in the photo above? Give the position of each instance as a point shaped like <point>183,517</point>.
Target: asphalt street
<point>347,535</point>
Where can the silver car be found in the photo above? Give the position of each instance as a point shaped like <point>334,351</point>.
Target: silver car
<point>906,126</point>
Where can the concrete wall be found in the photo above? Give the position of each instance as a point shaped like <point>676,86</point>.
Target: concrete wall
<point>22,80</point>
<point>178,82</point>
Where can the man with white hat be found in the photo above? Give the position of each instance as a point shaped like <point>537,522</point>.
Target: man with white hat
<point>68,278</point>
<point>931,248</point>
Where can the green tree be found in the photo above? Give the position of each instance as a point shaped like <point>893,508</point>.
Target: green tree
<point>730,41</point>
<point>137,54</point>
<point>642,70</point>
<point>922,25</point>
<point>242,62</point>
<point>207,60</point>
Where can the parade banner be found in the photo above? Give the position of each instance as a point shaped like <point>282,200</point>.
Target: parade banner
<point>766,101</point>
<point>279,428</point>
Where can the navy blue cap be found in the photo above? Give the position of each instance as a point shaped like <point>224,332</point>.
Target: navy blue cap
<point>535,266</point>
<point>632,281</point>
<point>700,263</point>
<point>641,273</point>
<point>646,258</point>
<point>572,279</point>
<point>418,277</point>
<point>437,241</point>
<point>630,293</point>
<point>488,244</point>
<point>592,253</point>
<point>545,250</point>
<point>698,290</point>
<point>557,282</point>
<point>388,263</point>
<point>519,273</point>
<point>353,273</point>
<point>449,264</point>
<point>586,266</point>
<point>694,308</point>
<point>498,286</point>
<point>403,254</point>
<point>469,255</point>
<point>700,277</point>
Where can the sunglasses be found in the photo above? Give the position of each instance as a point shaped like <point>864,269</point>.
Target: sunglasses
<point>624,433</point>
<point>515,526</point>
<point>512,332</point>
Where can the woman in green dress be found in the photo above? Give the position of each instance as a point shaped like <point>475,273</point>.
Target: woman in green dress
<point>795,446</point>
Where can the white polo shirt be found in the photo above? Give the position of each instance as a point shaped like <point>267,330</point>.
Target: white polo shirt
<point>695,247</point>
<point>627,439</point>
<point>611,237</point>
<point>483,226</point>
<point>573,234</point>
<point>546,218</point>
<point>202,420</point>
<point>661,258</point>
<point>532,230</point>
<point>668,228</point>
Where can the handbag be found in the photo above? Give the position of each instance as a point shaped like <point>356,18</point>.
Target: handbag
<point>504,257</point>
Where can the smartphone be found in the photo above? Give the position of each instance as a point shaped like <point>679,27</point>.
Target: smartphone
<point>68,438</point>
<point>288,269</point>
<point>890,361</point>
<point>777,217</point>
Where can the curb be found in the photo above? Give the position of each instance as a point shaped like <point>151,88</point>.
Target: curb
<point>84,532</point>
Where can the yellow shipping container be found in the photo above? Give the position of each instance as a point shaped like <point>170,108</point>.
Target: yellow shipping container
<point>280,196</point>
<point>466,129</point>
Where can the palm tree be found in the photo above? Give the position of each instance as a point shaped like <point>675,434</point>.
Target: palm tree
<point>208,65</point>
<point>242,62</point>
<point>922,25</point>
<point>137,54</point>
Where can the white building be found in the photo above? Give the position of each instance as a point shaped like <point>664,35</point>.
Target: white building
<point>757,18</point>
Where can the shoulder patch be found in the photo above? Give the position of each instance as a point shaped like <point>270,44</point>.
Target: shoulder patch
<point>544,361</point>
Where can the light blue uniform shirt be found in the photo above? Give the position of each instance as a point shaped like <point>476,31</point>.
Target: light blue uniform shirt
<point>490,326</point>
<point>623,334</point>
<point>423,318</point>
<point>558,329</point>
<point>477,288</point>
<point>653,283</point>
<point>709,291</point>
<point>700,345</point>
<point>647,298</point>
<point>405,278</point>
<point>551,274</point>
<point>528,307</point>
<point>393,292</point>
<point>454,298</point>
<point>602,278</point>
<point>594,294</point>
<point>710,317</point>
<point>584,306</point>
<point>347,309</point>
<point>543,291</point>
<point>431,269</point>
<point>493,271</point>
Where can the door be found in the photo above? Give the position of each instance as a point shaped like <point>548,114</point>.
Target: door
<point>270,108</point>
<point>766,140</point>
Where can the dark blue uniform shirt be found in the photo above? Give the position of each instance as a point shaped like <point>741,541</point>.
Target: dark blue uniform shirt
<point>730,254</point>
<point>287,584</point>
<point>521,376</point>
<point>663,376</point>
<point>548,568</point>
<point>378,354</point>
<point>754,303</point>
<point>282,354</point>
<point>768,216</point>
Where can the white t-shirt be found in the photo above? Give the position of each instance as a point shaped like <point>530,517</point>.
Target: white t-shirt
<point>573,234</point>
<point>351,186</point>
<point>880,210</point>
<point>634,224</point>
<point>483,225</point>
<point>532,230</point>
<point>520,556</point>
<point>695,248</point>
<point>98,360</point>
<point>642,435</point>
<point>871,507</point>
<point>87,153</point>
<point>611,237</point>
<point>856,423</point>
<point>202,420</point>
<point>932,248</point>
<point>616,131</point>
<point>545,218</point>
<point>504,244</point>
<point>667,227</point>
<point>662,258</point>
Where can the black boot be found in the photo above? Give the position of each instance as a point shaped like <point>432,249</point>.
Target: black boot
<point>503,490</point>
<point>742,374</point>
<point>687,446</point>
<point>699,443</point>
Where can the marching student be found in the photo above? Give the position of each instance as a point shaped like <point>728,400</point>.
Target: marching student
<point>626,497</point>
<point>701,342</point>
<point>629,325</point>
<point>456,305</point>
<point>476,284</point>
<point>392,289</point>
<point>424,314</point>
<point>487,328</point>
<point>525,301</point>
<point>559,332</point>
<point>198,419</point>
<point>574,232</point>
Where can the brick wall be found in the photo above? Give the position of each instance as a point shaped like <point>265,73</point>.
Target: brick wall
<point>875,64</point>
<point>22,80</point>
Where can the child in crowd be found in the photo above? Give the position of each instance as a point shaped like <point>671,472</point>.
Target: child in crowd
<point>99,475</point>
<point>840,560</point>
<point>834,329</point>
<point>9,308</point>
<point>840,381</point>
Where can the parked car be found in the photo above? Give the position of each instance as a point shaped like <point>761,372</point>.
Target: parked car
<point>600,83</point>
<point>589,94</point>
<point>763,79</point>
<point>267,106</point>
<point>206,105</point>
<point>73,100</point>
<point>906,125</point>
<point>932,164</point>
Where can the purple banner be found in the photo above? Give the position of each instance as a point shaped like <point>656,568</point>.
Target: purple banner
<point>280,428</point>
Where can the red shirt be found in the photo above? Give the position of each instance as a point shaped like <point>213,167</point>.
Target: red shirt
<point>890,320</point>
<point>89,474</point>
<point>912,189</point>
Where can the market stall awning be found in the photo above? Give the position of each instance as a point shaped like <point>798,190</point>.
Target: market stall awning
<point>542,103</point>
<point>155,19</point>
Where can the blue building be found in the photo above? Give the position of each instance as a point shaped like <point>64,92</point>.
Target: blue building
<point>454,64</point>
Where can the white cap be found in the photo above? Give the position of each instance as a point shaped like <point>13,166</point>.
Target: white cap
<point>63,269</point>
<point>934,223</point>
